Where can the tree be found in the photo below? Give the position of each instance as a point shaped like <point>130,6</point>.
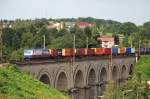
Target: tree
<point>27,40</point>
<point>116,39</point>
<point>111,90</point>
<point>88,32</point>
<point>128,28</point>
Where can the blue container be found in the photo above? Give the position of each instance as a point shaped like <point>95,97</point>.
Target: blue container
<point>114,50</point>
<point>59,52</point>
<point>132,50</point>
<point>142,50</point>
<point>128,51</point>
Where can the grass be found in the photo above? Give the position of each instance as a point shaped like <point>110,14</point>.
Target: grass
<point>143,67</point>
<point>15,84</point>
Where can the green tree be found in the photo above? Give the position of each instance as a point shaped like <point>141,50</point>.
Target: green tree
<point>128,28</point>
<point>111,90</point>
<point>27,40</point>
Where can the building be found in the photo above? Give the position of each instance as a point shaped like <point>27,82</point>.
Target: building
<point>69,25</point>
<point>57,25</point>
<point>106,41</point>
<point>84,24</point>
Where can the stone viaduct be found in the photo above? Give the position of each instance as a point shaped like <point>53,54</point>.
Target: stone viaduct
<point>83,79</point>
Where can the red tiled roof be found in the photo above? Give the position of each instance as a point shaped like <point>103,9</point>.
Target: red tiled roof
<point>105,39</point>
<point>84,24</point>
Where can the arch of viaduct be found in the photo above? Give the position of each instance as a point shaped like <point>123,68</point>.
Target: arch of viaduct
<point>83,75</point>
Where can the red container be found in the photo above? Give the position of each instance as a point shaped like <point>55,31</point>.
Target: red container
<point>80,51</point>
<point>67,52</point>
<point>99,51</point>
<point>107,51</point>
<point>138,51</point>
<point>90,51</point>
<point>53,52</point>
<point>121,50</point>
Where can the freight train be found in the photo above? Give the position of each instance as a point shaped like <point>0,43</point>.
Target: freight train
<point>69,52</point>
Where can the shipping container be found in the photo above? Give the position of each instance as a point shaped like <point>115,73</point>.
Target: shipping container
<point>128,50</point>
<point>80,51</point>
<point>90,51</point>
<point>107,51</point>
<point>53,52</point>
<point>99,51</point>
<point>67,52</point>
<point>121,50</point>
<point>114,51</point>
<point>142,50</point>
<point>132,50</point>
<point>59,52</point>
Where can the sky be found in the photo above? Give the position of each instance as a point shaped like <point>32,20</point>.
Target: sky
<point>136,11</point>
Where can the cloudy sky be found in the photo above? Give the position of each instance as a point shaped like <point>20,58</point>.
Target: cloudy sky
<point>137,11</point>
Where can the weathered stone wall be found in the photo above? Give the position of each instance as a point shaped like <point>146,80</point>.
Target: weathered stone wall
<point>84,79</point>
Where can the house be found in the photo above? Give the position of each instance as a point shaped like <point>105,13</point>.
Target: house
<point>57,25</point>
<point>106,41</point>
<point>69,25</point>
<point>84,24</point>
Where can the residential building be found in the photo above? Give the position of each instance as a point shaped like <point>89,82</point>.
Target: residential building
<point>84,24</point>
<point>57,25</point>
<point>106,41</point>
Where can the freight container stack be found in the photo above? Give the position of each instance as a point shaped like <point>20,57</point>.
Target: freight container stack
<point>81,52</point>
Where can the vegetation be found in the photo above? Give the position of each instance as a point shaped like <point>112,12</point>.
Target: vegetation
<point>15,84</point>
<point>29,34</point>
<point>136,87</point>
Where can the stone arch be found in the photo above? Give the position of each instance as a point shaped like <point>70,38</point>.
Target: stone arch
<point>115,73</point>
<point>91,80</point>
<point>103,75</point>
<point>123,72</point>
<point>44,76</point>
<point>62,81</point>
<point>131,69</point>
<point>45,79</point>
<point>92,84</point>
<point>79,84</point>
<point>102,80</point>
<point>79,79</point>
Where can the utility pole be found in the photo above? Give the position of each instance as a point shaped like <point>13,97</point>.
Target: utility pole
<point>110,65</point>
<point>87,41</point>
<point>1,42</point>
<point>44,40</point>
<point>74,46</point>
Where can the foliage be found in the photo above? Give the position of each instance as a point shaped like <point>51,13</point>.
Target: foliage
<point>143,67</point>
<point>15,84</point>
<point>29,34</point>
<point>17,55</point>
<point>111,90</point>
<point>135,87</point>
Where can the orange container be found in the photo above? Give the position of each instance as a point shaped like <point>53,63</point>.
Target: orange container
<point>121,50</point>
<point>99,51</point>
<point>53,52</point>
<point>67,52</point>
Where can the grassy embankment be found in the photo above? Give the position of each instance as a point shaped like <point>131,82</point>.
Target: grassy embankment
<point>15,84</point>
<point>143,67</point>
